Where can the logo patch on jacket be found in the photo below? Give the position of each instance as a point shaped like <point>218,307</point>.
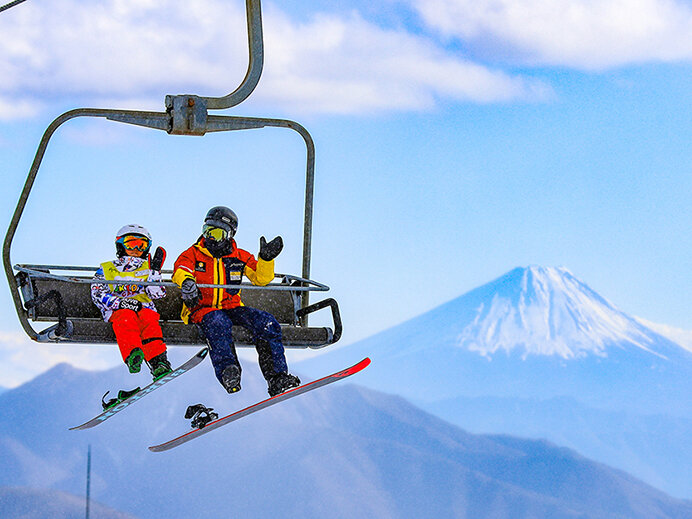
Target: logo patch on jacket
<point>234,269</point>
<point>200,266</point>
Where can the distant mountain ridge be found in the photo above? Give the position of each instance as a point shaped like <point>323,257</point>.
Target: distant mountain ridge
<point>342,451</point>
<point>539,334</point>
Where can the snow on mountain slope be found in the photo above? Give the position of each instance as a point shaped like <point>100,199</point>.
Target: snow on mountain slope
<point>533,312</point>
<point>548,311</point>
<point>677,335</point>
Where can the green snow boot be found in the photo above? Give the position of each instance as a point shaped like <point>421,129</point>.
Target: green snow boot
<point>134,360</point>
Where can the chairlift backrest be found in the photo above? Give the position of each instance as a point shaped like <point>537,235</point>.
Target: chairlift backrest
<point>49,298</point>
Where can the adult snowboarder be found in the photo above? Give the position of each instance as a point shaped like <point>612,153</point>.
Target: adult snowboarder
<point>130,307</point>
<point>215,259</point>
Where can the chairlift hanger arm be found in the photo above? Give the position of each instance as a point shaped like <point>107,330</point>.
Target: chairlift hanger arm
<point>253,11</point>
<point>185,106</point>
<point>255,61</point>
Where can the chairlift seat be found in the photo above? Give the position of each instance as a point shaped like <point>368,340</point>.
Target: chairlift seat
<point>88,326</point>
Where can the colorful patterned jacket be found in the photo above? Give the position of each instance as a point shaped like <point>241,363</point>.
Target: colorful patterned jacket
<point>197,263</point>
<point>107,297</point>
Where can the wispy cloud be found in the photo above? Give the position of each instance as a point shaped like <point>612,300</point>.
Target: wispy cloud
<point>122,50</point>
<point>350,65</point>
<point>14,107</point>
<point>583,34</point>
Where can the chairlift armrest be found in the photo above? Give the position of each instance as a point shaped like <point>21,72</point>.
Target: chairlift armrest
<point>336,315</point>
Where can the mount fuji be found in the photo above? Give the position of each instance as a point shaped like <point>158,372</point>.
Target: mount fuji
<point>535,344</point>
<point>547,311</point>
<point>535,332</point>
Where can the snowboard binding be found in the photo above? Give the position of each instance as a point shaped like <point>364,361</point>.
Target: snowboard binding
<point>200,415</point>
<point>123,395</point>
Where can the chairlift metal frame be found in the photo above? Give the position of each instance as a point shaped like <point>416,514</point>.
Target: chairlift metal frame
<point>10,4</point>
<point>184,115</point>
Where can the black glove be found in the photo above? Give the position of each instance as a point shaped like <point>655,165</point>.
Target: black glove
<point>190,293</point>
<point>130,304</point>
<point>156,263</point>
<point>269,251</point>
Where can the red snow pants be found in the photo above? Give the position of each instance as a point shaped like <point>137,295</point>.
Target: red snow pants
<point>138,330</point>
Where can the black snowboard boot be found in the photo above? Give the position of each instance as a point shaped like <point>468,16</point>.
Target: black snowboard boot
<point>282,382</point>
<point>159,366</point>
<point>200,415</point>
<point>230,379</point>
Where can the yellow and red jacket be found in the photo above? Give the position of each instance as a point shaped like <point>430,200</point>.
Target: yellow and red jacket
<point>197,263</point>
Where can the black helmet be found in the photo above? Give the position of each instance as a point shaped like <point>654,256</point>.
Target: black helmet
<point>222,217</point>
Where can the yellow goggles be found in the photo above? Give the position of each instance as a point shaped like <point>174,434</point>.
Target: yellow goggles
<point>214,233</point>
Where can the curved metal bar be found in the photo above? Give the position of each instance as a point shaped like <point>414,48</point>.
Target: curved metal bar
<point>155,120</point>
<point>313,286</point>
<point>160,121</point>
<point>255,61</point>
<point>11,4</point>
<point>41,269</point>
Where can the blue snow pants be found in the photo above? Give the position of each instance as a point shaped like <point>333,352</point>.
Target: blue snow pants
<point>266,336</point>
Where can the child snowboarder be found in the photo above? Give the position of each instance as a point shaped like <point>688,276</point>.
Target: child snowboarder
<point>215,259</point>
<point>129,307</point>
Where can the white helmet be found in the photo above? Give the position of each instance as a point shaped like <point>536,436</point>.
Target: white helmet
<point>132,230</point>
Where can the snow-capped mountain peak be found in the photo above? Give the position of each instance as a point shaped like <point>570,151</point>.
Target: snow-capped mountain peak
<point>548,311</point>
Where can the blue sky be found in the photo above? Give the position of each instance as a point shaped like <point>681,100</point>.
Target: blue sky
<point>455,141</point>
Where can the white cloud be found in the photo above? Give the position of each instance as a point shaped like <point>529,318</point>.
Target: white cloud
<point>123,50</point>
<point>18,108</point>
<point>584,34</point>
<point>349,65</point>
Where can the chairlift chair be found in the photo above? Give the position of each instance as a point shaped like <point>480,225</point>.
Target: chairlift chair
<point>61,294</point>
